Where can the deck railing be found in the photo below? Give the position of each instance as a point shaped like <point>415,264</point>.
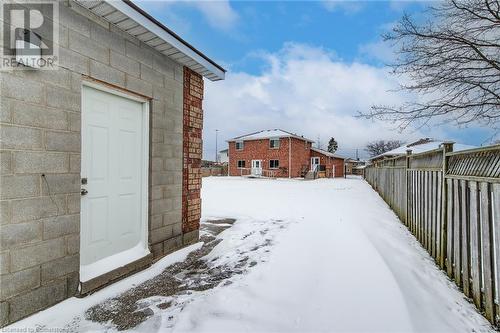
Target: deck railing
<point>450,201</point>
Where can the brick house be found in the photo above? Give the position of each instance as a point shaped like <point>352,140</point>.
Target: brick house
<point>278,153</point>
<point>100,157</point>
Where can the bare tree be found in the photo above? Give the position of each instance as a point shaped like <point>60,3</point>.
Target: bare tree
<point>381,146</point>
<point>452,62</point>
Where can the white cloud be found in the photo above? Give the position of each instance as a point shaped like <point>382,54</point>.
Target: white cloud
<point>379,50</point>
<point>347,6</point>
<point>305,90</point>
<point>218,13</point>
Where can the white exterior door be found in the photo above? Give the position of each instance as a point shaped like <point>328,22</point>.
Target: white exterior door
<point>114,168</point>
<point>314,163</point>
<point>256,167</point>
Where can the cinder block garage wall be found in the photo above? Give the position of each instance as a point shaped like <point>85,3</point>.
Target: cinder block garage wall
<point>40,127</point>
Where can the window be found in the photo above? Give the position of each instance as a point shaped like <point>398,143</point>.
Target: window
<point>241,164</point>
<point>274,164</point>
<point>274,143</point>
<point>239,145</point>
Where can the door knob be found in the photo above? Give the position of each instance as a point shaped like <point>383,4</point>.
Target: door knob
<point>84,191</point>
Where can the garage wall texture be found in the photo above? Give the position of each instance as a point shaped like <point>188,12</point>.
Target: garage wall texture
<point>40,134</point>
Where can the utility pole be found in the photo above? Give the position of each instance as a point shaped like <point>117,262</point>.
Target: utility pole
<point>357,156</point>
<point>216,149</point>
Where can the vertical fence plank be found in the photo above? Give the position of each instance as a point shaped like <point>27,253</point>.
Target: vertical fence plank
<point>475,264</point>
<point>496,229</point>
<point>449,230</point>
<point>439,216</point>
<point>465,237</point>
<point>487,250</point>
<point>457,233</point>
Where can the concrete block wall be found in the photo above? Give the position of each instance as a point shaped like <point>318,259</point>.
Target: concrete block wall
<point>40,151</point>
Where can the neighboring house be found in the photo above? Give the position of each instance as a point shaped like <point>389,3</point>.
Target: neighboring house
<point>353,166</point>
<point>278,153</point>
<point>416,147</point>
<point>100,159</point>
<point>224,156</point>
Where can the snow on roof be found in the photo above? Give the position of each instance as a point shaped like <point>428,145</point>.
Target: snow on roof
<point>268,134</point>
<point>326,153</point>
<point>417,147</point>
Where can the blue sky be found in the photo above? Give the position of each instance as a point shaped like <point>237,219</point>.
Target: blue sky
<point>304,66</point>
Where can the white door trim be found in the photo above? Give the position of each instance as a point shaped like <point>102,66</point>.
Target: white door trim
<point>313,159</point>
<point>144,165</point>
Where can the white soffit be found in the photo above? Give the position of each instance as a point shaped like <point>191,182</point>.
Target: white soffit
<point>133,20</point>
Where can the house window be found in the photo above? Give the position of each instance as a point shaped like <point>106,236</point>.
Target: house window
<point>274,164</point>
<point>274,143</point>
<point>239,145</point>
<point>241,164</point>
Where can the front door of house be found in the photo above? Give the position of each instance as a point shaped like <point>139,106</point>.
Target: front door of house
<point>114,164</point>
<point>314,163</point>
<point>256,167</point>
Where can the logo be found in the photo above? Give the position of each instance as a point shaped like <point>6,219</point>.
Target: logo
<point>30,32</point>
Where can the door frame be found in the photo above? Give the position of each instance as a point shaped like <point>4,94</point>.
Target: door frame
<point>103,87</point>
<point>252,167</point>
<point>314,158</point>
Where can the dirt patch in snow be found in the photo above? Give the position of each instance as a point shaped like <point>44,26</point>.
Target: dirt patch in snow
<point>167,289</point>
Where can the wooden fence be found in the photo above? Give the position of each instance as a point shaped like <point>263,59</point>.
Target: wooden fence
<point>450,201</point>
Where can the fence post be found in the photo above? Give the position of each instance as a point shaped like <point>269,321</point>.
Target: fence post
<point>447,147</point>
<point>408,184</point>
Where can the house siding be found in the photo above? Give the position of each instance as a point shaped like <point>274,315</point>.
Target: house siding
<point>40,124</point>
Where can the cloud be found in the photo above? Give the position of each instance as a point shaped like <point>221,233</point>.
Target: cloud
<point>379,50</point>
<point>218,13</point>
<point>303,89</point>
<point>347,6</point>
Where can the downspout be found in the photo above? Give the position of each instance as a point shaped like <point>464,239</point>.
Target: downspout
<point>290,157</point>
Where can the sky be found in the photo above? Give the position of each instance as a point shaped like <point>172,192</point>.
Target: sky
<point>308,67</point>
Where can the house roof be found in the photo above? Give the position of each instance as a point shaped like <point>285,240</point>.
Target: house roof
<point>132,19</point>
<point>421,146</point>
<point>327,153</point>
<point>268,134</point>
<point>224,150</point>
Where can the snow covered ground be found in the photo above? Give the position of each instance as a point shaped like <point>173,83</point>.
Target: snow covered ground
<point>323,255</point>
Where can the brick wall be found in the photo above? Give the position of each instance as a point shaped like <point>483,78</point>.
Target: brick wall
<point>260,150</point>
<point>300,156</point>
<point>40,116</point>
<point>329,163</point>
<point>192,150</point>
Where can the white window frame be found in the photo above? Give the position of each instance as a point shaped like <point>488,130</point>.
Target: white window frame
<point>274,168</point>
<point>239,143</point>
<point>274,139</point>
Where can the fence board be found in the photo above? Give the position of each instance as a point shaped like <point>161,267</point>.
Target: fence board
<point>496,233</point>
<point>449,229</point>
<point>475,246</point>
<point>465,237</point>
<point>487,247</point>
<point>456,233</point>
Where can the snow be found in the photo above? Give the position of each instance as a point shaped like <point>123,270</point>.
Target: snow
<point>88,272</point>
<point>267,134</point>
<point>72,309</point>
<point>422,148</point>
<point>330,256</point>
